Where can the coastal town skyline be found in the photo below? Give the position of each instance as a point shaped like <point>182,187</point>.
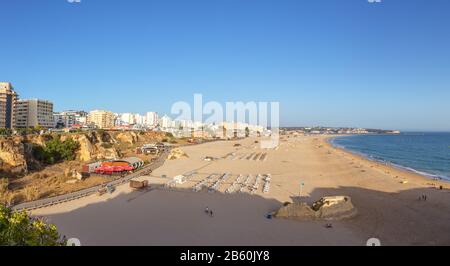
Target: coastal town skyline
<point>18,113</point>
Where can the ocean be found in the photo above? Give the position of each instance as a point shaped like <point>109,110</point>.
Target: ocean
<point>424,153</point>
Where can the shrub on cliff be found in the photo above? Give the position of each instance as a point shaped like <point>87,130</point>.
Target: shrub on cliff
<point>55,150</point>
<point>18,229</point>
<point>107,145</point>
<point>5,132</point>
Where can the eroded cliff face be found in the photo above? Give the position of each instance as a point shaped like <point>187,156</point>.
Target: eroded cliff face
<point>127,137</point>
<point>16,152</point>
<point>93,146</point>
<point>131,137</point>
<point>12,156</point>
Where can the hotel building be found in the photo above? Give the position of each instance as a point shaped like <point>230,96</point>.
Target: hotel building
<point>32,113</point>
<point>8,98</point>
<point>101,119</point>
<point>152,119</point>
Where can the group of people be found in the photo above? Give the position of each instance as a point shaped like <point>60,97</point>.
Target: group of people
<point>209,212</point>
<point>423,197</point>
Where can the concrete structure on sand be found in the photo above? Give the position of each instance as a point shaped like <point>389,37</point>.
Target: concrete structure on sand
<point>327,208</point>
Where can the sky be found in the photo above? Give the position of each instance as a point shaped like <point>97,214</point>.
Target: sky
<point>327,62</point>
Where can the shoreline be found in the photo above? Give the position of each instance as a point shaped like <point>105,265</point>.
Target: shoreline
<point>388,166</point>
<point>387,208</point>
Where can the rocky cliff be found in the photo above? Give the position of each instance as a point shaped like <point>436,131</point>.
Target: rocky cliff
<point>94,146</point>
<point>12,156</point>
<point>16,154</point>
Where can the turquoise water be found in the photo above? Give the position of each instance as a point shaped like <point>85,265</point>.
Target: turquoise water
<point>424,153</point>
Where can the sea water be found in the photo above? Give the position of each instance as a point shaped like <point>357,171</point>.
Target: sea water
<point>424,153</point>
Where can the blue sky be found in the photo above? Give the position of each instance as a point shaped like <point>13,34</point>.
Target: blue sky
<point>328,62</point>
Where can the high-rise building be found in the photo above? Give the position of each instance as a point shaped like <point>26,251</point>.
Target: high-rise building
<point>139,119</point>
<point>117,120</point>
<point>8,98</point>
<point>33,113</point>
<point>152,119</point>
<point>101,119</point>
<point>166,122</point>
<point>127,119</point>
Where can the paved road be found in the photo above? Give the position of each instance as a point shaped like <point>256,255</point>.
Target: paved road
<point>89,191</point>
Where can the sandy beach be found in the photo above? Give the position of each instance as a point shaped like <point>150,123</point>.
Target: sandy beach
<point>387,200</point>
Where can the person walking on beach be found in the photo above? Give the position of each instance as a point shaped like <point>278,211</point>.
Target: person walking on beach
<point>211,213</point>
<point>207,210</point>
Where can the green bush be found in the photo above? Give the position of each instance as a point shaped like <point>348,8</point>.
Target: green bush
<point>29,130</point>
<point>107,145</point>
<point>18,229</point>
<point>5,132</point>
<point>55,151</point>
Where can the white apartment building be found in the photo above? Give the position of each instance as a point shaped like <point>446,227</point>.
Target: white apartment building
<point>139,119</point>
<point>127,119</point>
<point>166,122</point>
<point>131,119</point>
<point>32,113</point>
<point>152,119</point>
<point>239,129</point>
<point>70,118</point>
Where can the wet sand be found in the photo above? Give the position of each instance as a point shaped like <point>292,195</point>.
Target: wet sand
<point>387,208</point>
